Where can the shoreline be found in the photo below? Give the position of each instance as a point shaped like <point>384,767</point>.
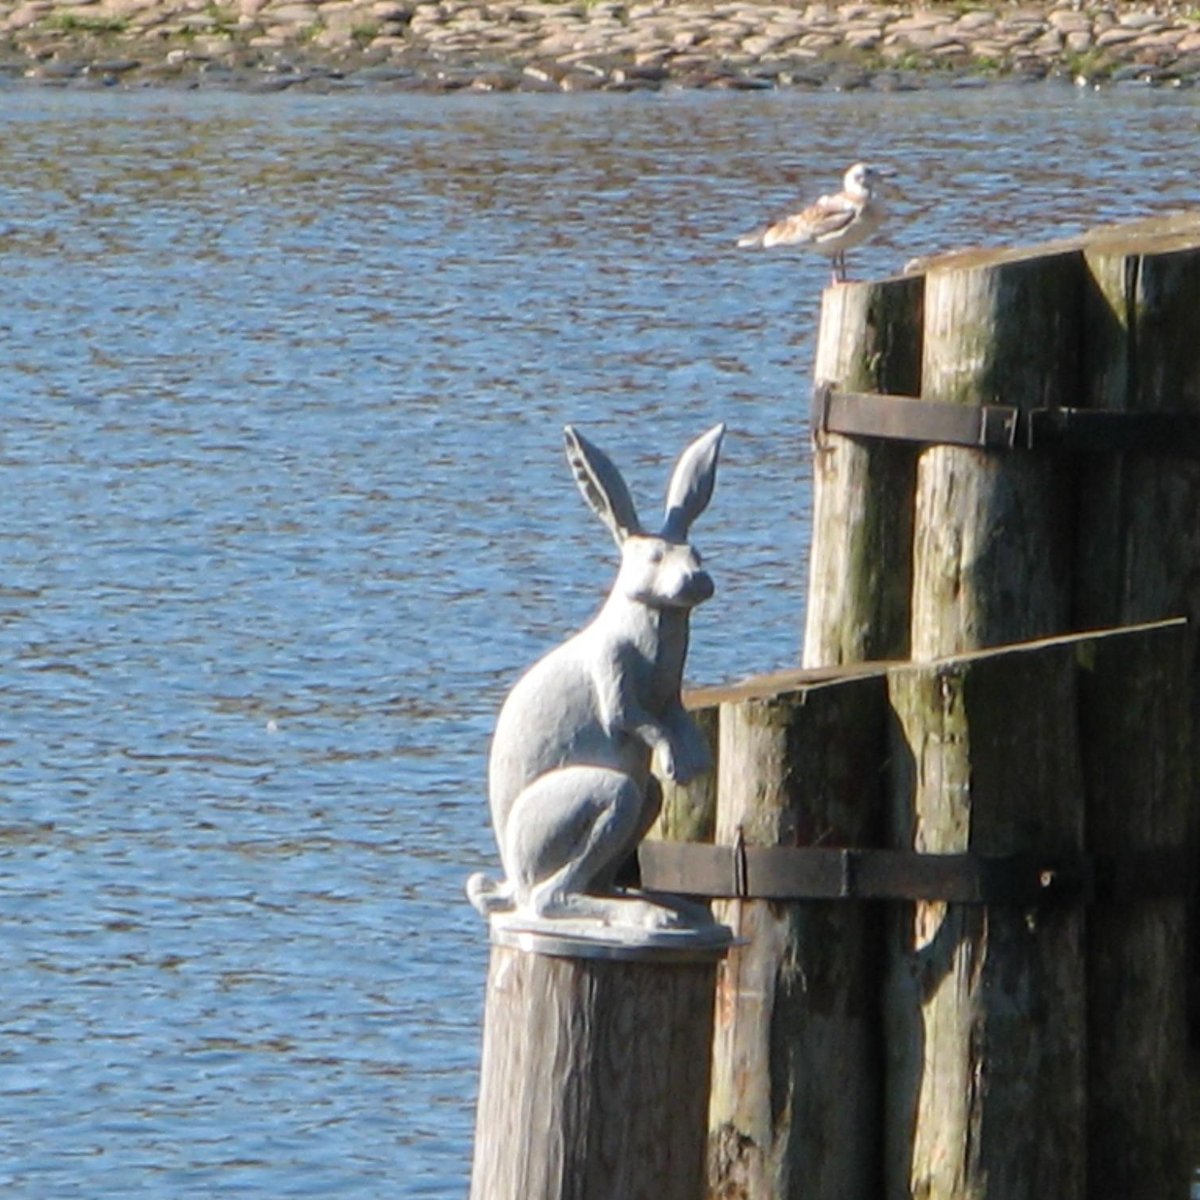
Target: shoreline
<point>438,46</point>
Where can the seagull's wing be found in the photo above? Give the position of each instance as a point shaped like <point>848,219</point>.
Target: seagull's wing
<point>828,217</point>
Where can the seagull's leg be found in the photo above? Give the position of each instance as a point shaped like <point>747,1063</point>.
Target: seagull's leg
<point>839,267</point>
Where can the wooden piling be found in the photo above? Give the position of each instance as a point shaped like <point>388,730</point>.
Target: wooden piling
<point>991,549</point>
<point>1139,543</point>
<point>860,564</point>
<point>595,1076</point>
<point>984,1007</point>
<point>1133,693</point>
<point>796,1087</point>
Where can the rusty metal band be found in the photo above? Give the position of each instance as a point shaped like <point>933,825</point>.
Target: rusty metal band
<point>1004,426</point>
<point>844,873</point>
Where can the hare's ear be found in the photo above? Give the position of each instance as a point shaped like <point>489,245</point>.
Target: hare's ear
<point>602,486</point>
<point>692,483</point>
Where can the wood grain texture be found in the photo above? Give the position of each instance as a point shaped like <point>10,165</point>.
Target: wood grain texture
<point>991,549</point>
<point>797,1079</point>
<point>594,1079</point>
<point>860,561</point>
<point>985,1006</point>
<point>1139,545</point>
<point>1138,771</point>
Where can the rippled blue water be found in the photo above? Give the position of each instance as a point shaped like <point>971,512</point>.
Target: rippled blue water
<point>283,512</point>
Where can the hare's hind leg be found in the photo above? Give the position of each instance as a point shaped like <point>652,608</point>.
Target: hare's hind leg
<point>566,831</point>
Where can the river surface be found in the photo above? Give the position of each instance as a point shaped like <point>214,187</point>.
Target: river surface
<point>284,512</point>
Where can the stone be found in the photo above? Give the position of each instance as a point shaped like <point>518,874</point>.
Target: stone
<point>292,14</point>
<point>758,44</point>
<point>1145,22</point>
<point>973,22</point>
<point>1115,36</point>
<point>26,15</point>
<point>580,81</point>
<point>917,22</point>
<point>863,39</point>
<point>990,51</point>
<point>932,39</point>
<point>1069,21</point>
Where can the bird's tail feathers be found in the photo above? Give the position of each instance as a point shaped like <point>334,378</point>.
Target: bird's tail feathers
<point>751,240</point>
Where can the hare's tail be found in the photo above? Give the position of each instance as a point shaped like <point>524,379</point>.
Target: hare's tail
<point>488,896</point>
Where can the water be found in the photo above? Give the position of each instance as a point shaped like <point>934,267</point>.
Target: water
<point>284,512</point>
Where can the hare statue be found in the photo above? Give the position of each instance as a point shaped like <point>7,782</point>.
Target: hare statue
<point>569,779</point>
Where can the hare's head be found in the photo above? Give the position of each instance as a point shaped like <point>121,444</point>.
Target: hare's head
<point>661,570</point>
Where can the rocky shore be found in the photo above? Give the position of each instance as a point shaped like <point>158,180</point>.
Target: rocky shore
<point>581,45</point>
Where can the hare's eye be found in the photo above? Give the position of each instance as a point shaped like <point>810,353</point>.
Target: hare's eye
<point>656,554</point>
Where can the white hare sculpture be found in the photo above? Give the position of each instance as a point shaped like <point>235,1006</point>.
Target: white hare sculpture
<point>569,778</point>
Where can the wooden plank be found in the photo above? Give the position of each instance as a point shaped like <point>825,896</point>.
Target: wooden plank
<point>1139,785</point>
<point>992,535</point>
<point>797,1073</point>
<point>984,1007</point>
<point>860,562</point>
<point>1167,231</point>
<point>594,1080</point>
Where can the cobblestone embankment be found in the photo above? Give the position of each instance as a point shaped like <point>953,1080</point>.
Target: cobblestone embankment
<point>577,45</point>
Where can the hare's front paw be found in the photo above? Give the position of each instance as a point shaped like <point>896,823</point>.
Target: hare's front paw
<point>681,762</point>
<point>665,762</point>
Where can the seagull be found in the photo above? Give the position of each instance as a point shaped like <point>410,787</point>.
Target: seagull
<point>833,224</point>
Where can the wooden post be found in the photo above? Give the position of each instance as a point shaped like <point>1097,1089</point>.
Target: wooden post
<point>797,1071</point>
<point>985,1005</point>
<point>1139,545</point>
<point>1133,717</point>
<point>594,1080</point>
<point>861,557</point>
<point>991,550</point>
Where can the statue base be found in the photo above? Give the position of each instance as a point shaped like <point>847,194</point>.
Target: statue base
<point>584,937</point>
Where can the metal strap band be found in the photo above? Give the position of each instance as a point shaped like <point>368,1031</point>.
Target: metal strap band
<point>837,873</point>
<point>1092,431</point>
<point>905,419</point>
<point>1003,426</point>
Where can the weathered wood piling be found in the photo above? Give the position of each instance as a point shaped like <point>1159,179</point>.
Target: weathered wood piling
<point>861,558</point>
<point>1141,814</point>
<point>985,1004</point>
<point>991,536</point>
<point>795,1007</point>
<point>595,1075</point>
